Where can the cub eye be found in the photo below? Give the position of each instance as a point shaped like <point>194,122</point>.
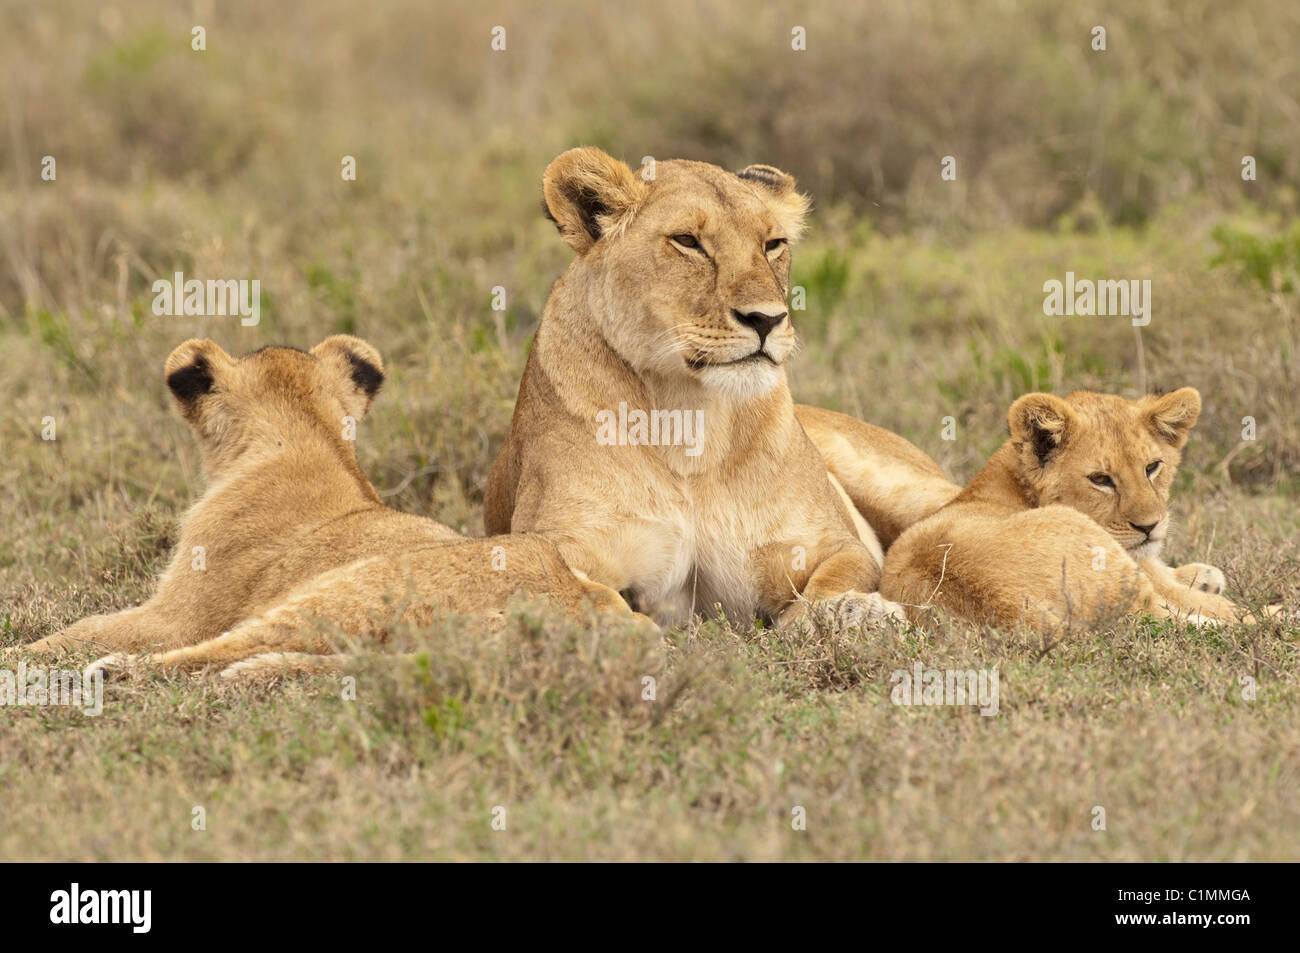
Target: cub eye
<point>1100,479</point>
<point>686,241</point>
<point>774,245</point>
<point>1153,467</point>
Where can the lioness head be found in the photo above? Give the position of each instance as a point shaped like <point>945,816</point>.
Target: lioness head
<point>1106,456</point>
<point>686,267</point>
<point>255,402</point>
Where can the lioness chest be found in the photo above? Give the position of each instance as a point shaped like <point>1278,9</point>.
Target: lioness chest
<point>696,550</point>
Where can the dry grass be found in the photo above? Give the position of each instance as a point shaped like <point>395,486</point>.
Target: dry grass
<point>924,302</point>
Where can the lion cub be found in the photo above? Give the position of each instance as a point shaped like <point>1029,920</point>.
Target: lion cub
<point>1065,521</point>
<point>291,533</point>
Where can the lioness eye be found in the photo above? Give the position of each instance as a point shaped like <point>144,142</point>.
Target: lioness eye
<point>1100,479</point>
<point>774,244</point>
<point>1152,468</point>
<point>686,241</point>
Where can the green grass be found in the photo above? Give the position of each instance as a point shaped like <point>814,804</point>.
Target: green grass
<point>924,300</point>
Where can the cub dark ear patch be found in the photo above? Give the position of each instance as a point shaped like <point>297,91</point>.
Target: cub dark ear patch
<point>1040,423</point>
<point>191,381</point>
<point>365,375</point>
<point>1044,443</point>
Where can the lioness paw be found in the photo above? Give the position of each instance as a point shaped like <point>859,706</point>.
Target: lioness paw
<point>857,609</point>
<point>1202,577</point>
<point>848,610</point>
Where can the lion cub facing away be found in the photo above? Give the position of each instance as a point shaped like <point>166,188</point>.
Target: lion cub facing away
<point>290,533</point>
<point>1064,522</point>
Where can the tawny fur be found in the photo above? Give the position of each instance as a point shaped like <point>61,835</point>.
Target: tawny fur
<point>891,482</point>
<point>651,313</point>
<point>1064,523</point>
<point>290,541</point>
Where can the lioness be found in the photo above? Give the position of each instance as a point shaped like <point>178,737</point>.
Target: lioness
<point>1065,521</point>
<point>290,533</point>
<point>654,439</point>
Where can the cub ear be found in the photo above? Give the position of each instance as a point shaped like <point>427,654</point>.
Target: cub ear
<point>191,371</point>
<point>1172,415</point>
<point>356,369</point>
<point>788,205</point>
<point>1039,422</point>
<point>588,193</point>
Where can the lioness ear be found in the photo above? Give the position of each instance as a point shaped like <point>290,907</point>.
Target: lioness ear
<point>588,193</point>
<point>1039,423</point>
<point>190,371</point>
<point>1172,415</point>
<point>356,369</point>
<point>777,188</point>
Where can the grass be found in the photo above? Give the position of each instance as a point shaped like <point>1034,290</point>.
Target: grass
<point>924,301</point>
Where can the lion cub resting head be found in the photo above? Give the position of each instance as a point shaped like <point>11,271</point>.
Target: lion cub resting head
<point>1110,458</point>
<point>1065,520</point>
<point>290,534</point>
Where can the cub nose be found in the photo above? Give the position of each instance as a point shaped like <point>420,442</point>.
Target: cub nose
<point>760,321</point>
<point>1144,530</point>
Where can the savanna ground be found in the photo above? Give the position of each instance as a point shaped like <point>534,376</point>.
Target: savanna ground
<point>924,302</point>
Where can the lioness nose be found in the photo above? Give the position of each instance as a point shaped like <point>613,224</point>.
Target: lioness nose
<point>1145,530</point>
<point>760,321</point>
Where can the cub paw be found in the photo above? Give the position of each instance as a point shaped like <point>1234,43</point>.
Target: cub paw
<point>1202,577</point>
<point>270,665</point>
<point>50,645</point>
<point>256,667</point>
<point>1281,613</point>
<point>113,666</point>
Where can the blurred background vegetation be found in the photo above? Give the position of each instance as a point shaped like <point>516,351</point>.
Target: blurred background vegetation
<point>924,296</point>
